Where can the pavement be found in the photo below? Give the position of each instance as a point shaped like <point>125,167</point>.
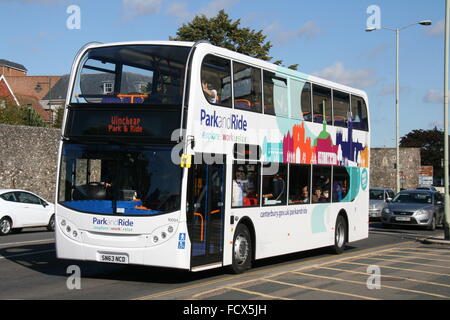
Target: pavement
<point>435,240</point>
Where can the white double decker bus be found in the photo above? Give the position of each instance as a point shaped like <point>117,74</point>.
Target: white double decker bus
<point>190,156</point>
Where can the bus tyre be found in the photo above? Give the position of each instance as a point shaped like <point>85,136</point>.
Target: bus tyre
<point>51,224</point>
<point>5,226</point>
<point>242,249</point>
<point>340,233</point>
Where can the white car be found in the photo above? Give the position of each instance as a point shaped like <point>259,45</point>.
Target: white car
<point>22,209</point>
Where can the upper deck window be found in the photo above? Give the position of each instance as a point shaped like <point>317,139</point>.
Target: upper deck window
<point>140,74</point>
<point>275,95</point>
<point>300,100</point>
<point>216,80</point>
<point>247,87</point>
<point>322,104</point>
<point>341,107</point>
<point>359,114</point>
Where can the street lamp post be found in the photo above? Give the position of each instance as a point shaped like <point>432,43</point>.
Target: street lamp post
<point>446,160</point>
<point>397,90</point>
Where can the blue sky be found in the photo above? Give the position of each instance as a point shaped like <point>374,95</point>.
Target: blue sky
<point>325,37</point>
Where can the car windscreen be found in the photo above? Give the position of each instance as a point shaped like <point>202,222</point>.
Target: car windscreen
<point>376,194</point>
<point>414,197</point>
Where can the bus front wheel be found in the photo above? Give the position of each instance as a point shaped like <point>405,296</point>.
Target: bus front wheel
<point>242,249</point>
<point>340,235</point>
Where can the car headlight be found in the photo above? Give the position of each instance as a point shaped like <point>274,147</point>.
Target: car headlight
<point>386,211</point>
<point>423,212</point>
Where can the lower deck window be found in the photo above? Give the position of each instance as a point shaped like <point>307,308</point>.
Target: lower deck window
<point>245,185</point>
<point>274,187</point>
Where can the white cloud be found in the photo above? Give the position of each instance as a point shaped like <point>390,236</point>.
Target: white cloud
<point>213,7</point>
<point>437,29</point>
<point>179,10</point>
<point>361,78</point>
<point>434,96</point>
<point>282,36</point>
<point>133,8</point>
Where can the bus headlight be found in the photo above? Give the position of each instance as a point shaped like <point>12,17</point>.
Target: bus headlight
<point>161,234</point>
<point>68,228</point>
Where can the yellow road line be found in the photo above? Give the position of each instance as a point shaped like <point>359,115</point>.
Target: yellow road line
<point>421,253</point>
<point>365,284</point>
<point>321,290</point>
<point>195,296</point>
<point>429,249</point>
<point>256,272</point>
<point>402,269</point>
<point>386,276</point>
<point>413,257</point>
<point>407,262</point>
<point>258,293</point>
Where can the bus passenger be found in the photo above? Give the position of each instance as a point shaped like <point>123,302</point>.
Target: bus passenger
<point>278,189</point>
<point>318,196</point>
<point>304,196</point>
<point>211,94</point>
<point>238,191</point>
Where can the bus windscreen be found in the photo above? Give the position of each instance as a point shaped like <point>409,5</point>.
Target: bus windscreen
<point>119,180</point>
<point>138,74</point>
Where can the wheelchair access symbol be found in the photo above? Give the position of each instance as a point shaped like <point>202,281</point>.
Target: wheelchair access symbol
<point>182,240</point>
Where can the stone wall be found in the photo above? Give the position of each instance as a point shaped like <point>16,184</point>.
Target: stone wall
<point>382,167</point>
<point>28,159</point>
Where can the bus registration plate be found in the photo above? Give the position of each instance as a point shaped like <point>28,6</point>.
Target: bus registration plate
<point>112,258</point>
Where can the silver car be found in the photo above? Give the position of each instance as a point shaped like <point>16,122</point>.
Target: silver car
<point>415,207</point>
<point>378,199</point>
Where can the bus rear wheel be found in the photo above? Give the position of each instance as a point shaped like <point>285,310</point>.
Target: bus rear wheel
<point>340,235</point>
<point>242,249</point>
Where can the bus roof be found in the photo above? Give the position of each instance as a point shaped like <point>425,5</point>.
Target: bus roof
<point>242,57</point>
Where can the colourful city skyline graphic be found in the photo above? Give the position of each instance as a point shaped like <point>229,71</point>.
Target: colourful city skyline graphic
<point>296,147</point>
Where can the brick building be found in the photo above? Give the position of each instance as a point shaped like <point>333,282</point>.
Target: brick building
<point>9,68</point>
<point>7,96</point>
<point>17,88</point>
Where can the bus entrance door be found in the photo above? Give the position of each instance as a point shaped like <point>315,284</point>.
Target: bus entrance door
<point>206,200</point>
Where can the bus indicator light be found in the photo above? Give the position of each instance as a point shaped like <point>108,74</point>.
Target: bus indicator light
<point>186,161</point>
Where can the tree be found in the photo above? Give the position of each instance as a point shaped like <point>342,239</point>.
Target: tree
<point>59,117</point>
<point>431,144</point>
<point>22,115</point>
<point>223,32</point>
